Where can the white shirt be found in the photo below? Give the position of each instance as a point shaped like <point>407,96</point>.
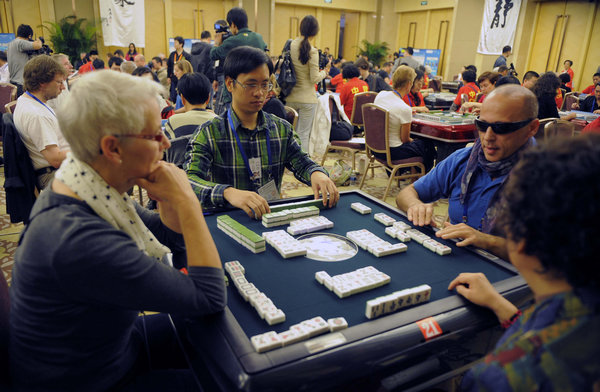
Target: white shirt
<point>4,74</point>
<point>400,113</point>
<point>38,127</point>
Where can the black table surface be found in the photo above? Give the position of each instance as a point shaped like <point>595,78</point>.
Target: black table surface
<point>291,284</point>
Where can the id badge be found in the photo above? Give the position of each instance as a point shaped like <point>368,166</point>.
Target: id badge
<point>269,191</point>
<point>255,168</point>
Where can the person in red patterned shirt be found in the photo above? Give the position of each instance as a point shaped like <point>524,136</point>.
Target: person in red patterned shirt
<point>352,87</point>
<point>470,89</point>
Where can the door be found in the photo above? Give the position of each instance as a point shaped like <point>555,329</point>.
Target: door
<point>439,31</point>
<point>350,35</point>
<point>330,31</point>
<point>287,24</point>
<point>412,29</point>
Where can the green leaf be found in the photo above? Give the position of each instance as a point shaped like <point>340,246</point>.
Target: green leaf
<point>376,52</point>
<point>71,36</point>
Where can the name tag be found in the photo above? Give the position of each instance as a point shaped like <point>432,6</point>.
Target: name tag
<point>269,191</point>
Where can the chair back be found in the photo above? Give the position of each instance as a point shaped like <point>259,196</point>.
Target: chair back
<point>176,153</point>
<point>435,84</point>
<point>291,116</point>
<point>376,120</point>
<point>539,136</point>
<point>8,93</point>
<point>333,110</point>
<point>359,100</point>
<point>558,128</point>
<point>569,100</point>
<point>10,107</point>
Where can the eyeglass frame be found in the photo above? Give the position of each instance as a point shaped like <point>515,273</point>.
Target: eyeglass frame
<point>501,128</point>
<point>269,86</point>
<point>159,137</point>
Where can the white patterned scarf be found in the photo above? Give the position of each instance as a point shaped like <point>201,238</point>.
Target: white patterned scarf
<point>115,208</point>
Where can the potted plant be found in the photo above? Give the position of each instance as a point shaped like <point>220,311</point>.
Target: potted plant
<point>71,36</point>
<point>376,52</point>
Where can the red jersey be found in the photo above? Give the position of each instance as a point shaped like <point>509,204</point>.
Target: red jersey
<point>347,92</point>
<point>593,127</point>
<point>412,102</point>
<point>558,98</point>
<point>572,75</point>
<point>87,67</point>
<point>589,89</point>
<point>470,89</point>
<point>337,81</point>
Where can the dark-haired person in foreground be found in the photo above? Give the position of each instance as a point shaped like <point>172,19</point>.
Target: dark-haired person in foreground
<point>91,259</point>
<point>194,89</point>
<point>550,218</point>
<point>471,178</point>
<point>238,159</point>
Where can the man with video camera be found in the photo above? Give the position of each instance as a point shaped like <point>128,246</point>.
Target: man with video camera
<point>19,52</point>
<point>240,35</point>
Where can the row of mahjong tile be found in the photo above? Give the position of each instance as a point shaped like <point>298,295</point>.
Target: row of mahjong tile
<point>308,225</point>
<point>397,300</point>
<point>360,208</point>
<point>375,245</point>
<point>241,234</point>
<point>401,232</point>
<point>263,305</point>
<point>345,285</point>
<point>298,332</point>
<point>284,217</point>
<point>285,244</point>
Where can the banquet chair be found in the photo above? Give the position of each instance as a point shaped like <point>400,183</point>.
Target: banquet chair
<point>377,124</point>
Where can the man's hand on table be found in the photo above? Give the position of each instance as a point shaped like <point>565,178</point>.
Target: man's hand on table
<point>476,288</point>
<point>470,236</point>
<point>322,184</point>
<point>251,202</point>
<point>420,214</point>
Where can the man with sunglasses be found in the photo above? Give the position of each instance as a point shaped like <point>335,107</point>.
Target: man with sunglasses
<point>238,159</point>
<point>471,178</point>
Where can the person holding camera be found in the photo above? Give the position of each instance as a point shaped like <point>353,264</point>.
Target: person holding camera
<point>305,59</point>
<point>19,52</point>
<point>241,35</point>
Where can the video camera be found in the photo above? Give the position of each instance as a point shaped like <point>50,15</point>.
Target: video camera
<point>45,49</point>
<point>512,71</point>
<point>323,60</point>
<point>221,26</point>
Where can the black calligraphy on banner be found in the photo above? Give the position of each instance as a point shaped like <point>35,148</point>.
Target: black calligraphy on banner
<point>508,5</point>
<point>123,2</point>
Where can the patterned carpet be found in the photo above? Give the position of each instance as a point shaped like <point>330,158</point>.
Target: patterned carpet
<point>375,186</point>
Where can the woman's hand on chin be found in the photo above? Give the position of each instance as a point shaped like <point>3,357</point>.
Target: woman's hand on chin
<point>167,184</point>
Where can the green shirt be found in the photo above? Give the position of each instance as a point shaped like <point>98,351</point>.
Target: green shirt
<point>214,161</point>
<point>244,37</point>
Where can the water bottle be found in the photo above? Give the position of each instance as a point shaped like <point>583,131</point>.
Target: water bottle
<point>352,179</point>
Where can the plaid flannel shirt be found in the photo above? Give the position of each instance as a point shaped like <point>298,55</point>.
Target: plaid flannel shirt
<point>214,162</point>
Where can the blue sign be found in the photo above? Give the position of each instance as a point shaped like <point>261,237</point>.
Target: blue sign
<point>429,57</point>
<point>5,39</point>
<point>187,45</point>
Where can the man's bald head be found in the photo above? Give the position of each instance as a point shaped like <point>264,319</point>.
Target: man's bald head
<point>522,97</point>
<point>139,60</point>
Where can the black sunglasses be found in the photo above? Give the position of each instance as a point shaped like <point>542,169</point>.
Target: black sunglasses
<point>501,128</point>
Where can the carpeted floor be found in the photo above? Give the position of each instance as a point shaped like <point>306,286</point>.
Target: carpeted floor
<point>9,233</point>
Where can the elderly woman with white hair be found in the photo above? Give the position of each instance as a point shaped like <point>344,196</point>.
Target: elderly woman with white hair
<point>90,259</point>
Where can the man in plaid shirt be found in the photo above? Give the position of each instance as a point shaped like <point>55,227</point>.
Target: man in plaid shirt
<point>238,159</point>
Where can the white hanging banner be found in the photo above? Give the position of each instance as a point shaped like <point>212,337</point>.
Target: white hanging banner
<point>499,25</point>
<point>123,22</point>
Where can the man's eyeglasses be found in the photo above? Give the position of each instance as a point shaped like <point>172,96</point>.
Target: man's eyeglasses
<point>501,128</point>
<point>158,137</point>
<point>266,87</point>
